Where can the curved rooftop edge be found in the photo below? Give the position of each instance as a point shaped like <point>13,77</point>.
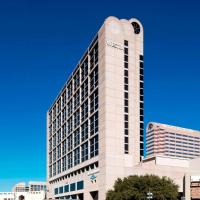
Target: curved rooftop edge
<point>124,22</point>
<point>151,125</point>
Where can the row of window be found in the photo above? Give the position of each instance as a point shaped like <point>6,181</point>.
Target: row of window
<point>79,81</point>
<point>126,101</point>
<point>141,105</point>
<point>79,135</point>
<point>89,105</point>
<point>75,172</point>
<point>80,154</point>
<point>69,188</point>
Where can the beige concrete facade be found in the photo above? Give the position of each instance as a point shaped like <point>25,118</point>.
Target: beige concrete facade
<point>88,173</point>
<point>162,139</point>
<point>179,170</point>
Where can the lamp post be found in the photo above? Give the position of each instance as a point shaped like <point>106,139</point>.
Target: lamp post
<point>149,195</point>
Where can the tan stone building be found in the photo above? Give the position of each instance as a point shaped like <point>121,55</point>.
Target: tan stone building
<point>162,139</point>
<point>181,171</point>
<point>195,187</point>
<point>95,125</point>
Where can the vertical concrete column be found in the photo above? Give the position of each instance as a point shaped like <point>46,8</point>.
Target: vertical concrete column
<point>187,187</point>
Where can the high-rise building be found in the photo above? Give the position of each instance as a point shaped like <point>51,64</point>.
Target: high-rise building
<point>95,125</point>
<point>162,139</point>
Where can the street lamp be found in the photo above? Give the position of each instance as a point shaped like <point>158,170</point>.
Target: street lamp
<point>149,195</point>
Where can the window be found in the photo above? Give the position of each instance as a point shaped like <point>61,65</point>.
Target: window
<point>141,71</point>
<point>141,77</point>
<point>126,87</point>
<point>141,112</point>
<point>126,110</point>
<point>76,80</point>
<point>59,166</point>
<point>50,117</point>
<point>125,80</point>
<point>54,155</point>
<point>64,131</point>
<point>69,143</point>
<point>84,90</point>
<point>141,126</point>
<point>59,105</point>
<point>126,124</point>
<point>59,121</point>
<point>125,43</point>
<point>94,147</point>
<point>56,191</point>
<point>94,124</point>
<point>54,126</point>
<point>54,140</point>
<point>94,101</point>
<point>141,57</point>
<point>76,100</point>
<point>64,164</point>
<point>66,188</point>
<point>125,50</point>
<point>141,84</point>
<point>126,95</point>
<point>125,72</point>
<point>125,65</point>
<point>84,152</point>
<point>64,147</point>
<point>69,125</point>
<point>76,119</point>
<point>93,56</point>
<point>50,144</point>
<point>84,110</point>
<point>70,108</point>
<point>126,58</point>
<point>80,185</point>
<point>64,115</point>
<point>64,98</point>
<point>126,102</point>
<point>84,69</point>
<point>76,156</point>
<point>59,136</point>
<point>94,79</point>
<point>141,65</point>
<point>126,148</point>
<point>69,160</point>
<point>84,131</point>
<point>60,190</point>
<point>72,187</point>
<point>50,158</point>
<point>76,138</point>
<point>59,151</point>
<point>54,169</point>
<point>54,112</point>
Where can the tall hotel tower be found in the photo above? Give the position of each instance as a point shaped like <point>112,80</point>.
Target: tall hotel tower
<point>95,125</point>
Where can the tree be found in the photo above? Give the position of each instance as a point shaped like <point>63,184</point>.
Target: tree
<point>136,188</point>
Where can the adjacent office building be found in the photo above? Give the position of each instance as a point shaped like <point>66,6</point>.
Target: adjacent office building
<point>95,125</point>
<point>21,191</point>
<point>31,187</point>
<point>162,139</point>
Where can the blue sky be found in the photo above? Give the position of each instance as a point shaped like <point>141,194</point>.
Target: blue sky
<point>41,42</point>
